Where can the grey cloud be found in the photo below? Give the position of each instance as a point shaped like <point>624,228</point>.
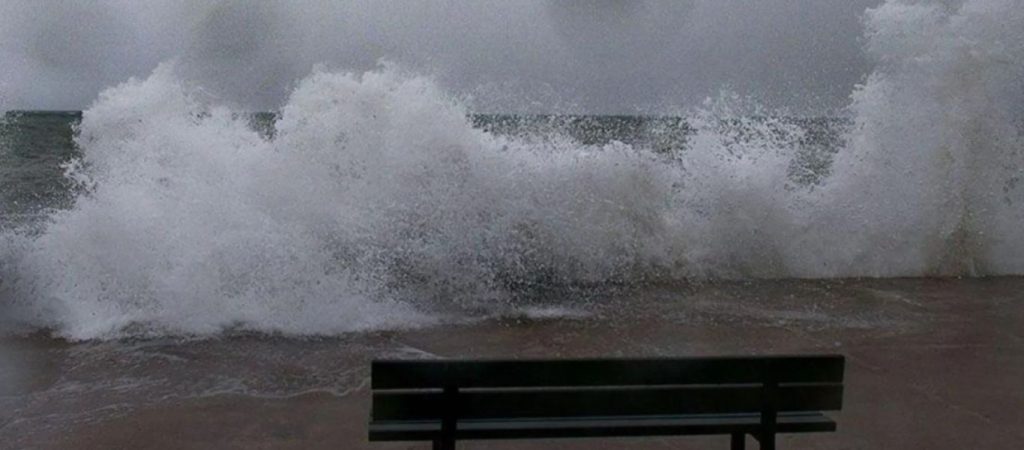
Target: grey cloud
<point>543,55</point>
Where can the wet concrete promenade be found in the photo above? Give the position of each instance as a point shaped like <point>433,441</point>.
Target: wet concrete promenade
<point>931,364</point>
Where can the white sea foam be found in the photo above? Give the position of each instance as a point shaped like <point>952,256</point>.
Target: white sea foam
<point>376,204</point>
<point>928,182</point>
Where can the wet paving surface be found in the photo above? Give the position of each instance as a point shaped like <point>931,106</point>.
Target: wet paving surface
<point>931,364</point>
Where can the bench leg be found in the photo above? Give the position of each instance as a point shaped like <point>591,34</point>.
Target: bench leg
<point>768,441</point>
<point>739,441</point>
<point>444,444</point>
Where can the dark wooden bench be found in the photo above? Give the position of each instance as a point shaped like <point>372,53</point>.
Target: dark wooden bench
<point>447,400</point>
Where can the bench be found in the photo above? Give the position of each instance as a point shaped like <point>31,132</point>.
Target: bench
<point>448,400</point>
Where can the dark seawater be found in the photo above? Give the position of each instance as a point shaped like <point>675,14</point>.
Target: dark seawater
<point>35,146</point>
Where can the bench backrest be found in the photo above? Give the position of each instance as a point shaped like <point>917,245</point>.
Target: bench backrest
<point>432,389</point>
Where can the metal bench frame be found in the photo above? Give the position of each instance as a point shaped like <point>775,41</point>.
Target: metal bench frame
<point>448,400</point>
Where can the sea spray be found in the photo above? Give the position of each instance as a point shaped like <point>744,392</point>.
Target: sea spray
<point>374,202</point>
<point>926,183</point>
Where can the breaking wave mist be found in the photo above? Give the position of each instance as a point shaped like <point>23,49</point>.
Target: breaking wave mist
<point>375,203</point>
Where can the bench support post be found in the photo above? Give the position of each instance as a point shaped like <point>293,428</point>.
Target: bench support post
<point>446,441</point>
<point>738,441</point>
<point>769,412</point>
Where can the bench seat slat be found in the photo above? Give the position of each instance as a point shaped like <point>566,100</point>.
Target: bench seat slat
<point>604,402</point>
<point>413,374</point>
<point>599,426</point>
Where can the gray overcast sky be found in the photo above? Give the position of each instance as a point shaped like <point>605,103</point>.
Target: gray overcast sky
<point>599,56</point>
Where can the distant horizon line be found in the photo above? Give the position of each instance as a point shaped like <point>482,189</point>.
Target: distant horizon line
<point>79,112</point>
